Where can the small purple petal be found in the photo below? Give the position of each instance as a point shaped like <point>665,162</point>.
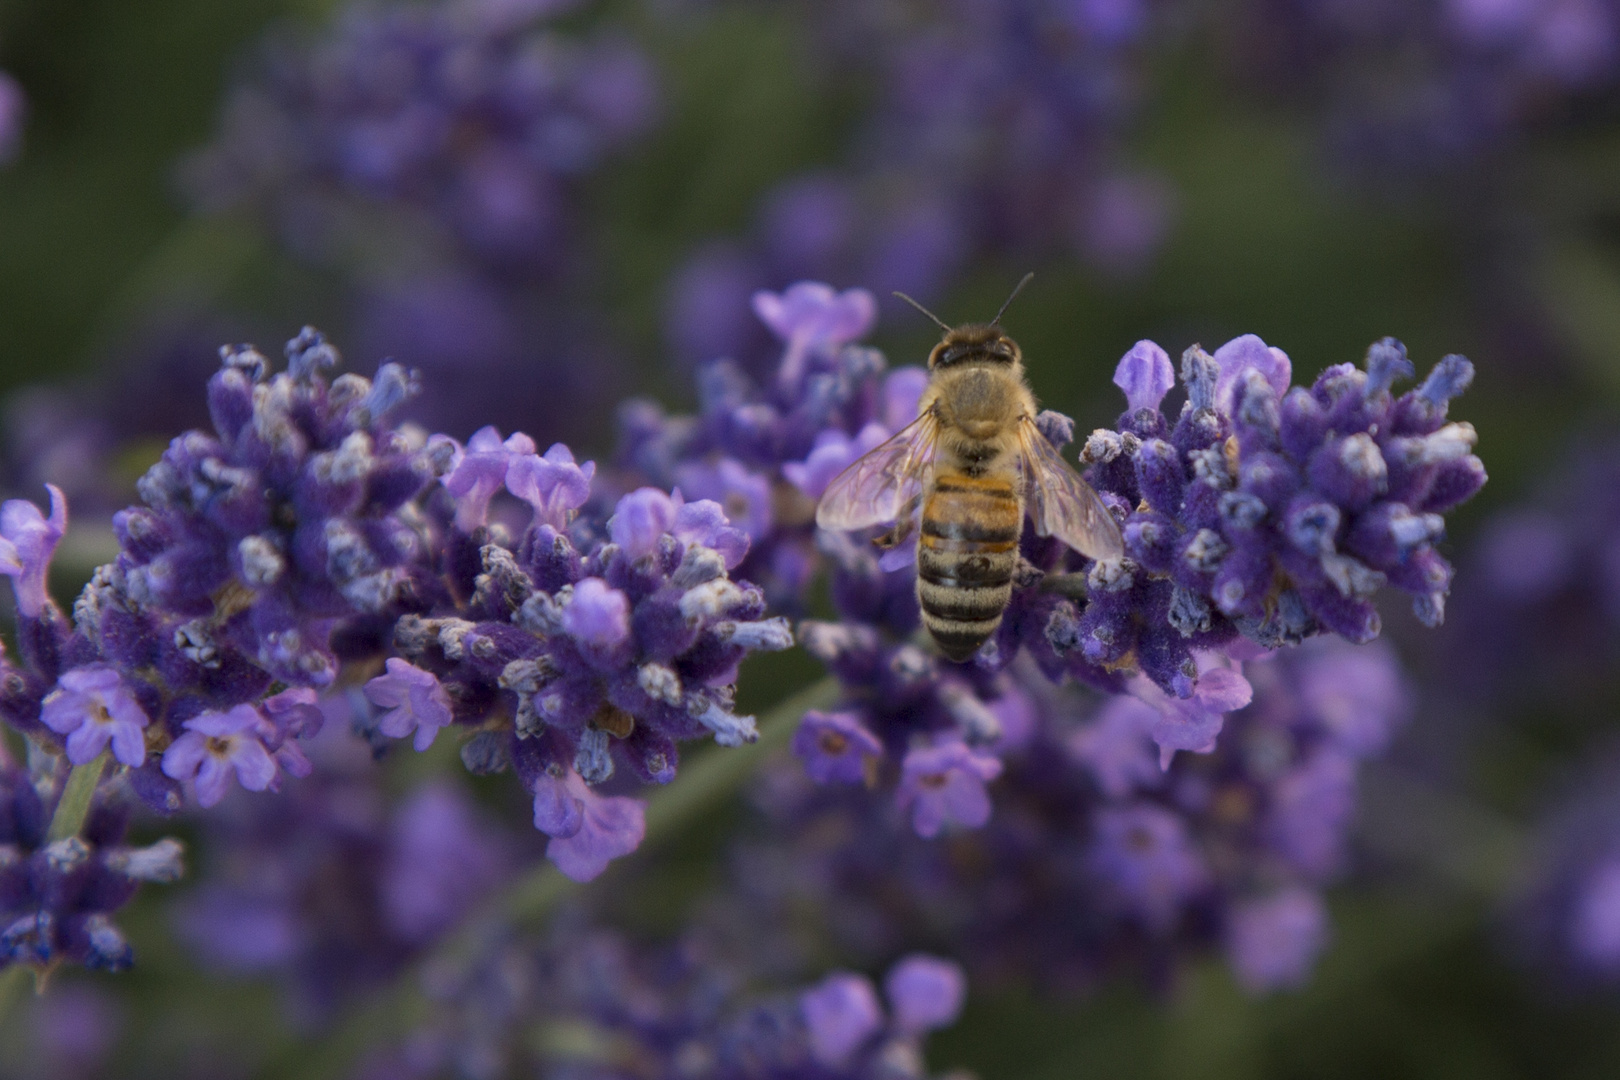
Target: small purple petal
<point>945,784</point>
<point>33,539</point>
<point>1146,375</point>
<point>554,485</point>
<point>415,700</point>
<point>612,827</point>
<point>841,1012</point>
<point>1239,355</point>
<point>925,993</point>
<point>598,616</point>
<point>640,519</point>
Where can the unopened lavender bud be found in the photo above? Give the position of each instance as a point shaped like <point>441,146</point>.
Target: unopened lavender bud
<point>1189,613</point>
<point>711,600</point>
<point>392,387</point>
<point>1112,575</point>
<point>698,565</point>
<point>66,854</point>
<point>729,729</point>
<point>659,683</point>
<point>162,862</point>
<point>1102,446</point>
<point>592,760</point>
<point>1386,362</point>
<point>973,719</point>
<point>1205,551</point>
<point>1351,576</point>
<point>262,562</point>
<point>246,359</point>
<point>768,635</point>
<point>1199,372</point>
<point>1451,376</point>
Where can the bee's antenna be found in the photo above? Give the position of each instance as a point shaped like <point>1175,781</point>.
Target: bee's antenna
<point>924,310</point>
<point>1016,290</point>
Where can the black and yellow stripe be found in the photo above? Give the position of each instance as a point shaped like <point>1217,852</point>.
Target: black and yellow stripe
<point>965,559</point>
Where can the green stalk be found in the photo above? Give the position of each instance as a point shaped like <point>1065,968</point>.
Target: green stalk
<point>76,795</point>
<point>704,785</point>
<point>71,811</point>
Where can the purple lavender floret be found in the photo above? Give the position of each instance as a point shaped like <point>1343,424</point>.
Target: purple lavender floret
<point>1097,856</point>
<point>93,708</point>
<point>57,897</point>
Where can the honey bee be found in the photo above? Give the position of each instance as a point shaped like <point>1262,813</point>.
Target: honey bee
<point>975,462</point>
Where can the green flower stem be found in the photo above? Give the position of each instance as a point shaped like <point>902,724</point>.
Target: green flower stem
<point>76,795</point>
<point>704,784</point>
<point>71,811</point>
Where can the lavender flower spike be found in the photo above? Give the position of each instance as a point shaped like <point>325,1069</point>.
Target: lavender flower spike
<point>415,700</point>
<point>92,707</point>
<point>216,743</point>
<point>28,539</point>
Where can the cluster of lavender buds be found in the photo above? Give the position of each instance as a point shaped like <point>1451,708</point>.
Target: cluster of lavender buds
<point>592,1004</point>
<point>58,892</point>
<point>13,111</point>
<point>435,154</point>
<point>1097,857</point>
<point>307,533</point>
<point>996,129</point>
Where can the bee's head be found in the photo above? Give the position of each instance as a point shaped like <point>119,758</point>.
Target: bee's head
<point>983,343</point>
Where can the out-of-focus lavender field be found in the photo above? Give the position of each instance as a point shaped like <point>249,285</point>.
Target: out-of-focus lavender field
<point>464,689</point>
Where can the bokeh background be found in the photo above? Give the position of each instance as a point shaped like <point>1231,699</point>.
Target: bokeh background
<point>580,211</point>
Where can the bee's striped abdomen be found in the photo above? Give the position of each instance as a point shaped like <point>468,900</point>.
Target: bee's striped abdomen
<point>965,559</point>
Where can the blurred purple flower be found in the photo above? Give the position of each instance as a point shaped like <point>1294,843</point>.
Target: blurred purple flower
<point>842,1012</point>
<point>944,784</point>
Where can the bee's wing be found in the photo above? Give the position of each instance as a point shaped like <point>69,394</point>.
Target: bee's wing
<point>874,489</point>
<point>1060,502</point>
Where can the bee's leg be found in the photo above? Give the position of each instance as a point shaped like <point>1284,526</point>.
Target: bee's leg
<point>904,522</point>
<point>1071,585</point>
